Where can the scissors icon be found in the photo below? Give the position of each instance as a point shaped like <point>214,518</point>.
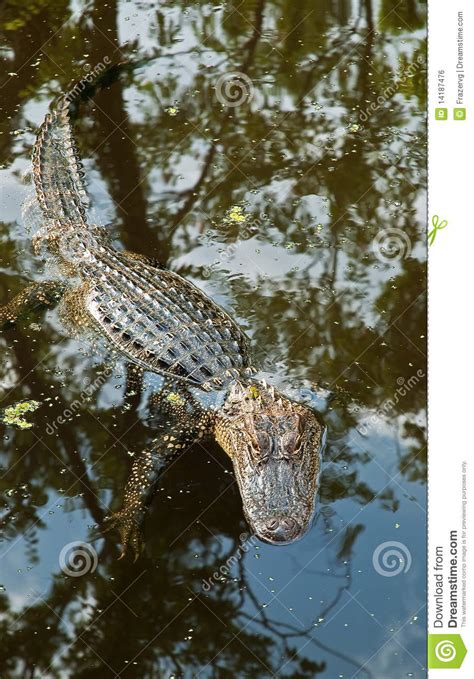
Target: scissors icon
<point>437,226</point>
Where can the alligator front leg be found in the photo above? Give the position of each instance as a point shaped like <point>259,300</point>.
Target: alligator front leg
<point>35,297</point>
<point>147,469</point>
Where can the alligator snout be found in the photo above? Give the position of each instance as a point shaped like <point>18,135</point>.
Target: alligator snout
<point>281,530</point>
<point>275,447</point>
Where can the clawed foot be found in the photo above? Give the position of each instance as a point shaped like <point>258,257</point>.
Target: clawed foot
<point>127,523</point>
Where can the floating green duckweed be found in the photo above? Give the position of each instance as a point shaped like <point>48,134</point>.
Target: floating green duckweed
<point>254,392</point>
<point>175,399</point>
<point>235,215</point>
<point>15,415</point>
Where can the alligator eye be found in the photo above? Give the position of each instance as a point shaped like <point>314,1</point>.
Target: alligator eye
<point>264,443</point>
<point>260,447</point>
<point>254,455</point>
<point>291,442</point>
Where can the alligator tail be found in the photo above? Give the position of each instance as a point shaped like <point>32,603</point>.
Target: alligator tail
<point>58,171</point>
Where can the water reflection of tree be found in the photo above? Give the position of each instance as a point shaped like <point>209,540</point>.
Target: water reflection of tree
<point>306,146</point>
<point>79,623</point>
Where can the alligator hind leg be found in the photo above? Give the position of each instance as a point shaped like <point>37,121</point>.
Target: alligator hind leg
<point>181,423</point>
<point>35,297</point>
<point>146,471</point>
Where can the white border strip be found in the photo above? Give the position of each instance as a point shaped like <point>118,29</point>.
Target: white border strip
<point>451,339</point>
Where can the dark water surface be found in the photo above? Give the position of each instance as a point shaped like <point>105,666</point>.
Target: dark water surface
<point>304,217</point>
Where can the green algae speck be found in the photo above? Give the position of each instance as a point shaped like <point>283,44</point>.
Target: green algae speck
<point>176,399</point>
<point>235,215</point>
<point>15,415</point>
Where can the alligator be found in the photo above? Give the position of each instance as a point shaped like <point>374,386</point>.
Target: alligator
<point>161,323</point>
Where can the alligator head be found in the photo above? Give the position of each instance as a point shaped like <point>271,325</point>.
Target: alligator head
<point>274,445</point>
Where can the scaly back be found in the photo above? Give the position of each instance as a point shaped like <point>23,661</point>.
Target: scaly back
<point>153,316</point>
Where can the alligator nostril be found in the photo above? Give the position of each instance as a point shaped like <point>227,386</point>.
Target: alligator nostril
<point>282,527</point>
<point>273,524</point>
<point>288,523</point>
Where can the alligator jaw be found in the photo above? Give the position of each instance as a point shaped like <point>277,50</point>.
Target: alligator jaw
<point>274,509</point>
<point>275,446</point>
